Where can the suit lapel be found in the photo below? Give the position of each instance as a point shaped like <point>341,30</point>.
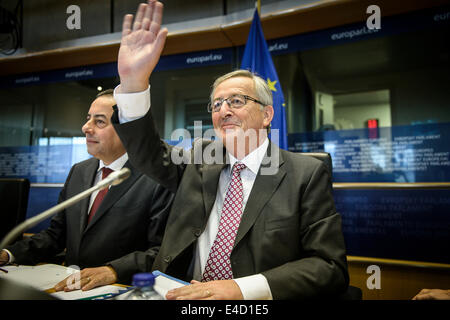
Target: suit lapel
<point>262,191</point>
<point>88,178</point>
<point>113,195</point>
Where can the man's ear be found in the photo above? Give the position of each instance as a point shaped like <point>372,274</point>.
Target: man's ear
<point>268,115</point>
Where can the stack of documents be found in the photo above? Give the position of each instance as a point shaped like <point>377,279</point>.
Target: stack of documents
<point>45,277</point>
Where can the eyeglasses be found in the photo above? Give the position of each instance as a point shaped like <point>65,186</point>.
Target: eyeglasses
<point>235,101</point>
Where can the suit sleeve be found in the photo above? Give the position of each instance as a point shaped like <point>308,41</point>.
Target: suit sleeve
<point>45,245</point>
<point>142,261</point>
<point>322,268</point>
<point>150,154</point>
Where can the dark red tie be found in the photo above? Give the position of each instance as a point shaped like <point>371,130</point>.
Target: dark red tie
<point>100,195</point>
<point>218,265</point>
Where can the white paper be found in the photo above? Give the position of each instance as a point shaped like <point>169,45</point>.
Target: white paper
<point>41,277</point>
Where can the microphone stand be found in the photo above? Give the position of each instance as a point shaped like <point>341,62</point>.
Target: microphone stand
<point>113,179</point>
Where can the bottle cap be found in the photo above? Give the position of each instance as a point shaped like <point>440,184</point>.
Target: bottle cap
<point>143,279</point>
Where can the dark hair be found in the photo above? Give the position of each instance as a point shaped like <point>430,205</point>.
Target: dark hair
<point>107,92</point>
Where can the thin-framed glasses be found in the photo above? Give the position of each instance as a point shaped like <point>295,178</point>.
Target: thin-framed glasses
<point>235,101</point>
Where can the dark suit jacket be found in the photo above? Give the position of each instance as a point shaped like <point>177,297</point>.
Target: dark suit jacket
<point>290,231</point>
<point>125,232</point>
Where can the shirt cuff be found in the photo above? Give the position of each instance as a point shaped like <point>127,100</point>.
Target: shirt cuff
<point>10,256</point>
<point>132,106</point>
<point>254,287</point>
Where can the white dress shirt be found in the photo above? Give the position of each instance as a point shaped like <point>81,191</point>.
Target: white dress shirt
<point>132,106</point>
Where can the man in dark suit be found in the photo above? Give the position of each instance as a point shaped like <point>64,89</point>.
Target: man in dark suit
<point>249,221</point>
<point>123,234</point>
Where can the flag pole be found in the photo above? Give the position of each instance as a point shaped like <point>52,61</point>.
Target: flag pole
<point>258,6</point>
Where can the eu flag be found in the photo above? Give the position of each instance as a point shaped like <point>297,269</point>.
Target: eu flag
<point>257,59</point>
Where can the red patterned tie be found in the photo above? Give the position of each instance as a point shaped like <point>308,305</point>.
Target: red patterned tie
<point>100,195</point>
<point>218,266</point>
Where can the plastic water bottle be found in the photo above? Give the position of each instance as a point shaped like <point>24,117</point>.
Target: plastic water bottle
<point>143,283</point>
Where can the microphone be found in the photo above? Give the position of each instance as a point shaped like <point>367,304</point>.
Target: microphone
<point>114,178</point>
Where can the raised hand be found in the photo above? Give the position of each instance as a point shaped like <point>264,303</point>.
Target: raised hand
<point>141,46</point>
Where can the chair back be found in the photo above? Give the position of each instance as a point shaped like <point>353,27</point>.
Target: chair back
<point>325,157</point>
<point>14,202</point>
<point>352,292</point>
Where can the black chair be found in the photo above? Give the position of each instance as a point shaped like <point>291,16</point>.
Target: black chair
<point>325,157</point>
<point>14,202</point>
<point>352,293</point>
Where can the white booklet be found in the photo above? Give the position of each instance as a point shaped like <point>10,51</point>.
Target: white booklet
<point>164,283</point>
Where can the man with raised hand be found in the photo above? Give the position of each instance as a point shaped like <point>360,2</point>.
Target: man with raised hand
<point>238,230</point>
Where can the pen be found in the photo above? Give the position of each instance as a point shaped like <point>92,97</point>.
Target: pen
<point>4,270</point>
<point>98,297</point>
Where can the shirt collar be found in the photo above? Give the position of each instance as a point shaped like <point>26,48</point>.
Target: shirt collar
<point>116,164</point>
<point>253,160</point>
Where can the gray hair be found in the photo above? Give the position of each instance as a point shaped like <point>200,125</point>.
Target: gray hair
<point>262,90</point>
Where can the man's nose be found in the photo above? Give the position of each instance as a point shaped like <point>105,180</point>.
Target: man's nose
<point>87,127</point>
<point>225,109</point>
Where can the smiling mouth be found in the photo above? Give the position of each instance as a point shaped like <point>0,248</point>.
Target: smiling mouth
<point>229,124</point>
<point>91,141</point>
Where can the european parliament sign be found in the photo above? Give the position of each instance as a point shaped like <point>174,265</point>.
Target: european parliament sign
<point>417,153</point>
<point>109,70</point>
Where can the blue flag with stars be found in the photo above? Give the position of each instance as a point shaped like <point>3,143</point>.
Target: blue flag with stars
<point>258,60</point>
